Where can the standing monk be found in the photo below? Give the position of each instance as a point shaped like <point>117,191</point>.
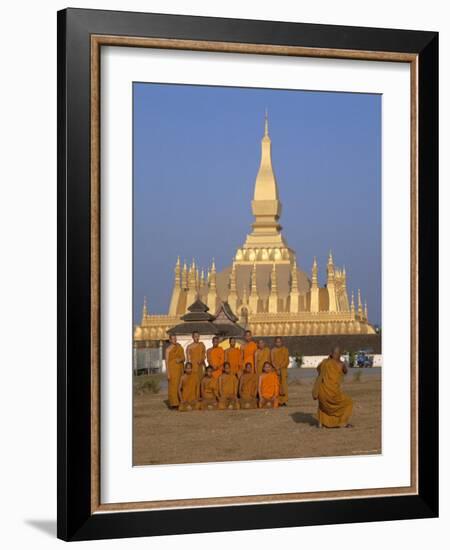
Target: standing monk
<point>262,355</point>
<point>233,355</point>
<point>280,360</point>
<point>248,350</point>
<point>188,390</point>
<point>216,357</point>
<point>335,408</point>
<point>228,388</point>
<point>248,388</point>
<point>174,368</point>
<point>268,388</point>
<point>196,354</point>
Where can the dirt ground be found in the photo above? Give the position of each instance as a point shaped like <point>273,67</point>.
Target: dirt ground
<point>163,436</point>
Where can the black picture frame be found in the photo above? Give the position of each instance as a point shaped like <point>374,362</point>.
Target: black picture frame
<point>75,519</point>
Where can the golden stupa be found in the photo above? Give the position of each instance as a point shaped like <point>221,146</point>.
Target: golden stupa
<point>264,287</point>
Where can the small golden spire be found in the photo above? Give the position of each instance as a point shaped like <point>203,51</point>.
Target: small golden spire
<point>360,307</point>
<point>273,279</point>
<point>144,309</point>
<point>253,286</point>
<point>266,124</point>
<point>233,278</point>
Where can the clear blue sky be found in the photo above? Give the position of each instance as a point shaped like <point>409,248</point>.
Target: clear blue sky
<point>196,155</point>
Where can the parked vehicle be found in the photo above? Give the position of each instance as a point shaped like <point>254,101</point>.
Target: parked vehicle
<point>364,359</point>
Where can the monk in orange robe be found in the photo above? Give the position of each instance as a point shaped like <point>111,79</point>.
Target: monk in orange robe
<point>249,349</point>
<point>209,391</point>
<point>174,369</point>
<point>216,357</point>
<point>268,388</point>
<point>335,408</point>
<point>280,361</point>
<point>196,354</point>
<point>248,388</point>
<point>233,355</point>
<point>262,355</point>
<point>188,390</point>
<point>228,387</point>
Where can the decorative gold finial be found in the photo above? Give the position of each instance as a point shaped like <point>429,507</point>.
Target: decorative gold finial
<point>266,124</point>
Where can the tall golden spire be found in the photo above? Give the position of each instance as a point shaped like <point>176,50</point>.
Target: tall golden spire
<point>265,243</point>
<point>266,205</point>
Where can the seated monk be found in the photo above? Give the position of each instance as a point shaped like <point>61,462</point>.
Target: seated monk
<point>188,390</point>
<point>248,388</point>
<point>268,387</point>
<point>216,357</point>
<point>228,387</point>
<point>262,355</point>
<point>335,408</point>
<point>209,391</point>
<point>233,355</point>
<point>248,350</point>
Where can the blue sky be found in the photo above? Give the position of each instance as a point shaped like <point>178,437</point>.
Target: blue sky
<point>196,154</point>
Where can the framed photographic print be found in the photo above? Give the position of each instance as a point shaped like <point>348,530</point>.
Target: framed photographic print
<point>247,263</point>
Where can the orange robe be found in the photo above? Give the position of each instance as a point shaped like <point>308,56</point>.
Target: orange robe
<point>196,354</point>
<point>216,359</point>
<point>209,393</point>
<point>269,388</point>
<point>234,357</point>
<point>174,368</point>
<point>280,360</point>
<point>248,352</point>
<point>228,385</point>
<point>189,390</point>
<point>335,408</point>
<point>248,389</point>
<point>261,356</point>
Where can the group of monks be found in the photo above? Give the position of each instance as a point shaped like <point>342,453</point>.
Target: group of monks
<point>251,376</point>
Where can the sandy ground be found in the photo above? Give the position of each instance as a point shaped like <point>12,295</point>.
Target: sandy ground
<point>163,436</point>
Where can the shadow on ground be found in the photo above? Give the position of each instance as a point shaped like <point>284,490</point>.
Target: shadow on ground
<point>304,418</point>
<point>47,526</point>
